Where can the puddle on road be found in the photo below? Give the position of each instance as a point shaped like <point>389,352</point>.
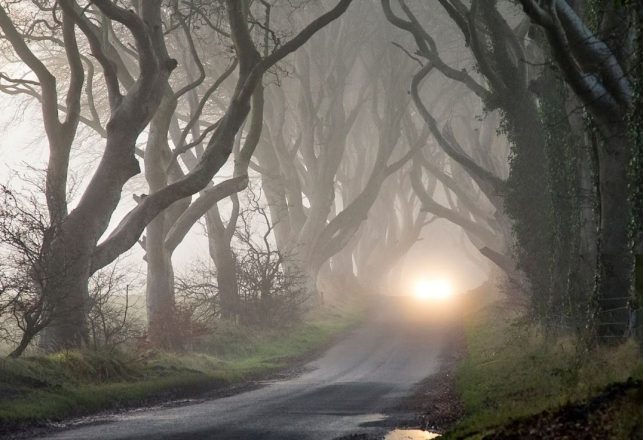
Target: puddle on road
<point>410,434</point>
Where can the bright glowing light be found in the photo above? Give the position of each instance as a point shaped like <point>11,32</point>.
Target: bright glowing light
<point>433,289</point>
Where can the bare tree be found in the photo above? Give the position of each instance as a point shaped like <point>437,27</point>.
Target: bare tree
<point>320,136</point>
<point>504,84</point>
<point>72,250</point>
<point>485,174</point>
<point>394,225</point>
<point>23,311</point>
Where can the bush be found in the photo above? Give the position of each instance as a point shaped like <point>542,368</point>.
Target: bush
<point>110,318</point>
<point>271,292</point>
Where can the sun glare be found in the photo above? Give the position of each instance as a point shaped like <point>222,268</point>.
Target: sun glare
<point>433,289</point>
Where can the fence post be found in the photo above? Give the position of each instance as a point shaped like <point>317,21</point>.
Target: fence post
<point>638,300</point>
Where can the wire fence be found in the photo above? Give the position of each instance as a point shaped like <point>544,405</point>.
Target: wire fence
<point>633,327</point>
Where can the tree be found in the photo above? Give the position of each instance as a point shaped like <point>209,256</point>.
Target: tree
<point>394,225</point>
<point>71,249</point>
<point>23,311</point>
<point>597,68</point>
<point>541,196</point>
<point>487,180</point>
<point>328,178</point>
<point>71,238</point>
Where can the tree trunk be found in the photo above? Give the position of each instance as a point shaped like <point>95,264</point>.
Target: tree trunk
<point>616,260</point>
<point>22,346</point>
<point>338,276</point>
<point>64,279</point>
<point>163,329</point>
<point>224,260</point>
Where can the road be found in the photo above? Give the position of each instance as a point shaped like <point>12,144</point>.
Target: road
<point>347,389</point>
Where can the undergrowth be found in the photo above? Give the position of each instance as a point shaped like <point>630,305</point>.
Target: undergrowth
<point>513,370</point>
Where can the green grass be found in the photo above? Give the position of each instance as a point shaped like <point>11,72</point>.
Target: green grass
<point>512,371</point>
<point>69,384</point>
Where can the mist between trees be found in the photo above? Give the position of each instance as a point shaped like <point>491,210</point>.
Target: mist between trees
<point>316,143</point>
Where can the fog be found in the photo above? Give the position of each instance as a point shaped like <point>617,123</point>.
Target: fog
<point>299,153</point>
<point>348,189</point>
<point>335,218</point>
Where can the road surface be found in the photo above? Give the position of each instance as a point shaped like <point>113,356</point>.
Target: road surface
<point>347,389</point>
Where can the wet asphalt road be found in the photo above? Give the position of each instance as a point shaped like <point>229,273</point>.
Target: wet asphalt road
<point>349,389</point>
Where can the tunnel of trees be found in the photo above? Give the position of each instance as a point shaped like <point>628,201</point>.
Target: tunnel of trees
<point>311,145</point>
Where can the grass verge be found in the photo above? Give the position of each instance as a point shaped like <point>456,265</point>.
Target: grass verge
<point>513,371</point>
<point>42,389</point>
